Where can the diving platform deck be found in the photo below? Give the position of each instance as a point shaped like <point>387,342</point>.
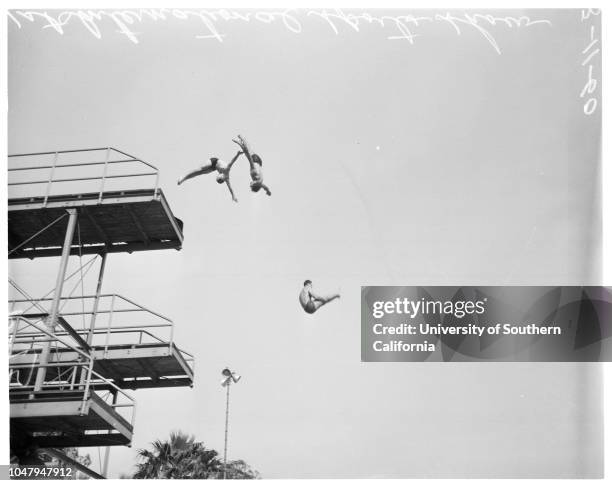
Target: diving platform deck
<point>143,366</point>
<point>128,366</point>
<point>111,222</point>
<point>67,419</point>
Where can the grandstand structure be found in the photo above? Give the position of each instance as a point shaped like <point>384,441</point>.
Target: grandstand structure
<point>75,360</point>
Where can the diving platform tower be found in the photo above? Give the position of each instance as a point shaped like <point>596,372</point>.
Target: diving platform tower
<point>73,359</point>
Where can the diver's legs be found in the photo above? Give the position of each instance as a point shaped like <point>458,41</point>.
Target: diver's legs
<point>206,169</point>
<point>320,301</point>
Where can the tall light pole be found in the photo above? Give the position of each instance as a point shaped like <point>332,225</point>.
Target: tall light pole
<point>228,377</point>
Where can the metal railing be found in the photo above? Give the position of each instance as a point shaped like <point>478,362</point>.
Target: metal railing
<point>105,332</point>
<point>76,377</point>
<point>55,164</point>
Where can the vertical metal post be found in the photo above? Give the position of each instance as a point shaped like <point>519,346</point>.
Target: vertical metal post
<point>73,379</point>
<point>15,322</point>
<point>226,429</point>
<point>110,322</point>
<point>133,418</point>
<point>50,179</point>
<point>104,175</point>
<point>156,184</point>
<point>87,385</point>
<point>61,274</point>
<point>107,452</point>
<point>94,312</point>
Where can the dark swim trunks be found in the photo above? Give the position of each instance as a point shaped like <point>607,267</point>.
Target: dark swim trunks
<point>310,307</point>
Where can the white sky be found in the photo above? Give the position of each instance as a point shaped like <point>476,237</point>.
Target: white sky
<point>441,162</point>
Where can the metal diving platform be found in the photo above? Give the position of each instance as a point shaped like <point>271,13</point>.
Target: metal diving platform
<point>68,419</point>
<point>132,356</point>
<point>66,410</point>
<point>72,356</point>
<point>110,221</point>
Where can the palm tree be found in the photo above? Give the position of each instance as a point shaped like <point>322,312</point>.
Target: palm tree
<point>240,470</point>
<point>182,457</point>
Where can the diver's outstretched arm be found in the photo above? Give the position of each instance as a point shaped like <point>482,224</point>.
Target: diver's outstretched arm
<point>206,169</point>
<point>229,186</point>
<point>229,166</point>
<point>265,188</point>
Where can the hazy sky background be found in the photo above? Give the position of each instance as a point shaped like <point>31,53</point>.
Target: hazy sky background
<point>435,163</point>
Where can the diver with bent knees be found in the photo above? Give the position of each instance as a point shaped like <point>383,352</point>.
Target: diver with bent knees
<point>312,302</point>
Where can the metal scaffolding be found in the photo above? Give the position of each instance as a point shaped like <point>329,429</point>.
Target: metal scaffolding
<point>66,384</point>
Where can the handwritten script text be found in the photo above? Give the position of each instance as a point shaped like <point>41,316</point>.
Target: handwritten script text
<point>406,27</point>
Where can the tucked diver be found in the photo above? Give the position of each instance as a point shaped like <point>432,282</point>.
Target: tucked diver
<point>222,169</point>
<point>312,302</point>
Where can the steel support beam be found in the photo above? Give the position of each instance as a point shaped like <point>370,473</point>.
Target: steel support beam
<point>94,312</point>
<point>64,325</point>
<point>107,452</point>
<point>77,465</point>
<point>59,284</point>
<point>101,233</point>
<point>143,233</point>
